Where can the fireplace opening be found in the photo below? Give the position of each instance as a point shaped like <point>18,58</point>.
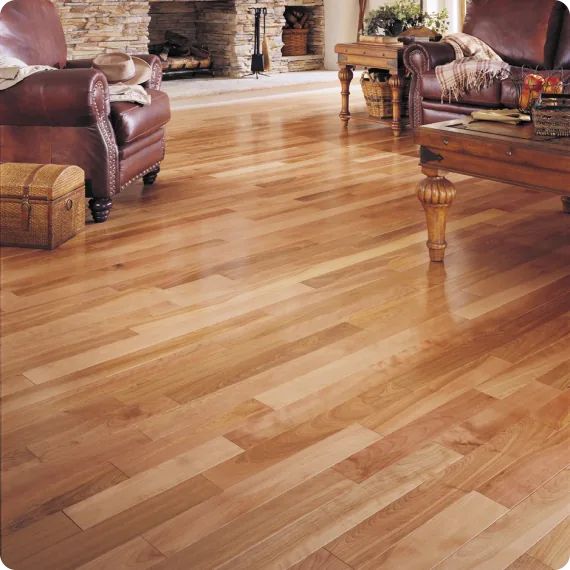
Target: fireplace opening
<point>194,37</point>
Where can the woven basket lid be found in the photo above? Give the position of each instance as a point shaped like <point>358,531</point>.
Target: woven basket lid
<point>48,181</point>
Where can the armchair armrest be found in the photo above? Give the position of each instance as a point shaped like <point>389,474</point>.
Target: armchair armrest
<point>422,57</point>
<point>156,65</point>
<point>153,60</point>
<point>59,98</point>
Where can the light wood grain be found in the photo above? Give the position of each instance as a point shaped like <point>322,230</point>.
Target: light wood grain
<point>253,363</point>
<point>519,529</point>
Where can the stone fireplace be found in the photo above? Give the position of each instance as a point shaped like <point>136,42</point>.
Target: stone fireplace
<point>225,27</point>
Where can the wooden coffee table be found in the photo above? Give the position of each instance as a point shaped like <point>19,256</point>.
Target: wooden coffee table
<point>506,153</point>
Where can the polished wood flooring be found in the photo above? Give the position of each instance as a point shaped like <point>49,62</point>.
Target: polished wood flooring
<point>253,366</point>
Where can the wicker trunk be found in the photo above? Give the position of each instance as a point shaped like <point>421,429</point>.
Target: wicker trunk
<point>40,205</point>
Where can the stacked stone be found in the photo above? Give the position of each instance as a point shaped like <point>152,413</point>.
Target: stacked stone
<point>92,28</point>
<point>226,27</point>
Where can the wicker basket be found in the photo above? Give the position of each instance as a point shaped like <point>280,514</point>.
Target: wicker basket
<point>378,95</point>
<point>295,41</point>
<point>551,116</point>
<point>40,205</point>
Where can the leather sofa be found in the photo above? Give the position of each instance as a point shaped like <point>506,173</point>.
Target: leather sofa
<point>525,33</point>
<point>65,116</point>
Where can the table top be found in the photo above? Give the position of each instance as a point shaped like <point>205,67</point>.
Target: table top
<point>369,48</point>
<point>490,132</point>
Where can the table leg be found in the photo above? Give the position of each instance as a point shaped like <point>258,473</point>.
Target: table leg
<point>436,194</point>
<point>566,204</point>
<point>345,75</point>
<point>397,85</point>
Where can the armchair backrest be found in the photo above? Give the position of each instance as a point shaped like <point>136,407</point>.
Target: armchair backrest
<point>31,31</point>
<point>522,32</point>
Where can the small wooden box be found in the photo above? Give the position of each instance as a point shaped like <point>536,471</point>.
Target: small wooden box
<point>41,206</point>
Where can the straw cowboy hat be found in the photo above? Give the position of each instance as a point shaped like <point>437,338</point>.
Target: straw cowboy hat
<point>122,68</point>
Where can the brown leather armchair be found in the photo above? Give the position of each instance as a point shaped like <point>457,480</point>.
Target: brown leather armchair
<point>65,116</point>
<point>529,33</point>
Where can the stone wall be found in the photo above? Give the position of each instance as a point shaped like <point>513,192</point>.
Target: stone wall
<point>225,26</point>
<point>96,26</point>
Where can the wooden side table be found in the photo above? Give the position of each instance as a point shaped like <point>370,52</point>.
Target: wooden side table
<point>380,56</point>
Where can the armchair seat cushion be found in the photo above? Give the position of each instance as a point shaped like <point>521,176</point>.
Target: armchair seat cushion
<point>131,121</point>
<point>487,97</point>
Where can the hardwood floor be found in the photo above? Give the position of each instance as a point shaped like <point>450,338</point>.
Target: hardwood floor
<point>253,364</point>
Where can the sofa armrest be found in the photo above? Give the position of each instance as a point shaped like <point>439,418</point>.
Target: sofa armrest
<point>153,60</point>
<point>59,98</point>
<point>422,57</point>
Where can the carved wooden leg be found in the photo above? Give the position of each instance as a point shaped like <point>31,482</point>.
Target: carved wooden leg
<point>397,85</point>
<point>566,204</point>
<point>150,177</point>
<point>436,194</point>
<point>100,208</point>
<point>345,75</point>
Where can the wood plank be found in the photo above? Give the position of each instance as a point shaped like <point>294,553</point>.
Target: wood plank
<point>150,483</point>
<point>442,535</point>
<point>521,528</point>
<point>244,496</point>
<point>137,554</point>
<point>554,549</point>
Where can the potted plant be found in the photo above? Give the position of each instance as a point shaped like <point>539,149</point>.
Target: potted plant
<point>388,22</point>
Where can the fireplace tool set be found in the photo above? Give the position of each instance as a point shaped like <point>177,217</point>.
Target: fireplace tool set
<point>258,64</point>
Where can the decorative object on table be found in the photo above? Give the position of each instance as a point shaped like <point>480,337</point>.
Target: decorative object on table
<point>393,19</point>
<point>530,84</point>
<point>551,115</point>
<point>508,116</point>
<point>530,90</point>
<point>296,32</point>
<point>41,206</point>
<point>377,93</point>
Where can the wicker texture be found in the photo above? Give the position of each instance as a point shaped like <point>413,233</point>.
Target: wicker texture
<point>40,205</point>
<point>295,41</point>
<point>378,96</point>
<point>551,122</point>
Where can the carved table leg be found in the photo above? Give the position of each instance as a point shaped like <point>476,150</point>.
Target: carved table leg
<point>566,204</point>
<point>150,177</point>
<point>436,194</point>
<point>397,85</point>
<point>100,208</point>
<point>345,75</point>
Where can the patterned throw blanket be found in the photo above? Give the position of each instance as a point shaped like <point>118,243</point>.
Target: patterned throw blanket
<point>476,66</point>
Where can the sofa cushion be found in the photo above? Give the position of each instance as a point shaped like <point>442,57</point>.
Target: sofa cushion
<point>522,32</point>
<point>132,121</point>
<point>562,59</point>
<point>487,97</point>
